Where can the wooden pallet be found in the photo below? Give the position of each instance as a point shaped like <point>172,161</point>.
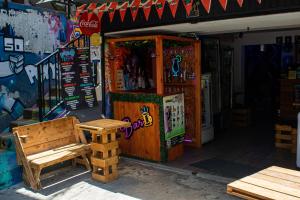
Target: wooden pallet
<point>272,183</point>
<point>286,137</point>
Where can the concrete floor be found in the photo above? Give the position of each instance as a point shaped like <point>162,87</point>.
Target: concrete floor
<point>138,180</point>
<point>253,147</point>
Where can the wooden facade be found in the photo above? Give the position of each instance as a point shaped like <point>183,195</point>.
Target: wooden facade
<point>148,142</point>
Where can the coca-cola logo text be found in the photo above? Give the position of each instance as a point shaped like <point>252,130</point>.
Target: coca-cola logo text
<point>89,24</point>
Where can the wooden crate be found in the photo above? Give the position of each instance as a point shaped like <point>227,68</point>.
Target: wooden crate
<point>105,170</point>
<point>104,161</point>
<point>272,183</point>
<point>104,146</point>
<point>241,117</point>
<point>286,137</point>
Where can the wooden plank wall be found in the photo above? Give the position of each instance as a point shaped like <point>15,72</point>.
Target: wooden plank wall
<point>144,142</point>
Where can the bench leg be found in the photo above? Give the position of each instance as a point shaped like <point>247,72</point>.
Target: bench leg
<point>37,174</point>
<point>25,179</point>
<point>86,162</point>
<point>74,162</point>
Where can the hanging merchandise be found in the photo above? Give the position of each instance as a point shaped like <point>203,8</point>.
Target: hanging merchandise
<point>87,25</point>
<point>100,11</point>
<point>111,10</point>
<point>147,8</point>
<point>223,4</point>
<point>134,8</point>
<point>259,1</point>
<point>79,10</point>
<point>160,5</point>
<point>240,2</point>
<point>122,9</point>
<point>173,4</point>
<point>206,4</point>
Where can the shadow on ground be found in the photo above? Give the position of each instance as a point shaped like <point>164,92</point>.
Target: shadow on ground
<point>137,181</point>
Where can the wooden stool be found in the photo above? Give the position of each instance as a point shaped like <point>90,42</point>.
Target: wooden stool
<point>104,147</point>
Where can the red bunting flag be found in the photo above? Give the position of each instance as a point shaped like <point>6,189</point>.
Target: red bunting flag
<point>79,10</point>
<point>259,1</point>
<point>223,4</point>
<point>240,2</point>
<point>100,11</point>
<point>188,5</point>
<point>206,4</point>
<point>91,9</point>
<point>147,8</point>
<point>134,8</point>
<point>160,5</point>
<point>111,10</point>
<point>173,4</point>
<point>92,6</point>
<point>123,9</point>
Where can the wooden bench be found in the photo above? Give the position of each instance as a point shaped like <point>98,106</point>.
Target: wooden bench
<point>48,143</point>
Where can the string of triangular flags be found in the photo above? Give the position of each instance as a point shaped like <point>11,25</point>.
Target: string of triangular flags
<point>134,5</point>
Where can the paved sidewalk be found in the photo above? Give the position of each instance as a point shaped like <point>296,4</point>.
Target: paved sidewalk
<point>138,180</point>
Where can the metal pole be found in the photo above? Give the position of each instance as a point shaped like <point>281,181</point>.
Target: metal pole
<point>69,9</point>
<point>103,72</point>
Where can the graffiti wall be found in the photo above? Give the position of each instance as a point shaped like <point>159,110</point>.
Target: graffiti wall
<point>27,35</point>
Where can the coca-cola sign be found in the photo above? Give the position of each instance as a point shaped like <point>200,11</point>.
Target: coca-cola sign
<point>89,23</point>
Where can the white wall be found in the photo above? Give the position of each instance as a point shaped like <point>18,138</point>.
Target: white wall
<point>252,39</point>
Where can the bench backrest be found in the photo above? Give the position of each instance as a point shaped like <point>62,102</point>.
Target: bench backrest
<point>44,136</point>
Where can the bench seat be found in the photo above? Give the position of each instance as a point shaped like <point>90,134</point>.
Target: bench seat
<point>60,154</point>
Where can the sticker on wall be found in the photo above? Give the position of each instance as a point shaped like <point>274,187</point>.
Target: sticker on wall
<point>91,25</point>
<point>95,39</point>
<point>123,9</point>
<point>174,120</point>
<point>147,8</point>
<point>207,5</point>
<point>145,120</point>
<point>223,3</point>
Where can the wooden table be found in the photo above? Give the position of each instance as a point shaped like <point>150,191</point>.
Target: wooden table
<point>104,147</point>
<point>271,183</point>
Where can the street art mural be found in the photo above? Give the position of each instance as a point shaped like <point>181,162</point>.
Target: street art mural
<point>27,35</point>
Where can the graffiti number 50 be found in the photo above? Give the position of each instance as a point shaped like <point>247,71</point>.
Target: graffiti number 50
<point>14,44</point>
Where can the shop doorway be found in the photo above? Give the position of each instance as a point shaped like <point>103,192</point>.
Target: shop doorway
<point>246,108</point>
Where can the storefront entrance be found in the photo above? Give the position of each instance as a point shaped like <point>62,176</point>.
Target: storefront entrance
<point>248,89</point>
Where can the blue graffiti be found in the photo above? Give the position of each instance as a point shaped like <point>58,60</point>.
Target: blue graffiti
<point>18,86</point>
